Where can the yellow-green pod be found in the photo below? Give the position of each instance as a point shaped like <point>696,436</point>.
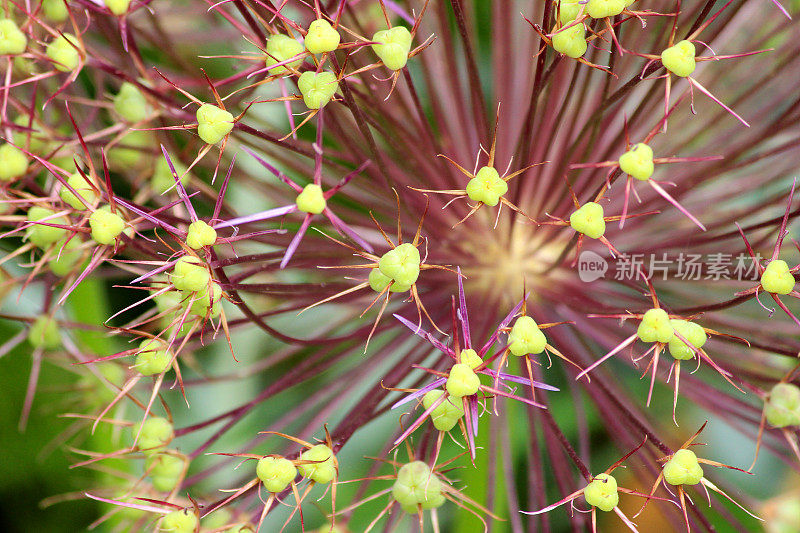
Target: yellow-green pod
<point>281,48</point>
<point>317,88</point>
<point>213,123</point>
<point>571,41</point>
<point>680,58</point>
<point>393,46</point>
<point>130,103</point>
<point>487,186</point>
<point>13,162</point>
<point>588,220</point>
<point>66,52</point>
<point>55,10</point>
<point>321,37</point>
<point>311,199</point>
<point>82,188</point>
<point>117,7</point>
<point>638,162</point>
<point>12,40</point>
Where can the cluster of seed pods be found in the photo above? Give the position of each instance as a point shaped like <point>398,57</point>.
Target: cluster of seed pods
<point>63,202</point>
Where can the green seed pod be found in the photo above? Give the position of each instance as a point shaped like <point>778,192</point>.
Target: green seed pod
<point>165,470</point>
<point>443,422</point>
<point>106,226</point>
<point>680,58</point>
<point>602,492</point>
<point>571,42</point>
<point>164,483</point>
<point>169,323</point>
<point>132,151</point>
<point>65,257</point>
<point>462,381</point>
<point>486,187</point>
<point>598,9</point>
<point>64,162</point>
<point>683,469</point>
<point>162,179</point>
<point>471,358</point>
<point>394,46</point>
<point>323,471</point>
<point>311,200</point>
<point>777,279</point>
<point>782,408</point>
<point>43,236</point>
<point>34,140</point>
<point>281,48</point>
<point>153,358</point>
<point>200,234</point>
<point>782,514</point>
<point>321,37</point>
<point>638,162</point>
<point>275,473</point>
<point>694,333</point>
<point>568,10</point>
<point>84,190</point>
<point>447,414</point>
<point>402,264</point>
<point>169,300</point>
<point>190,274</point>
<point>526,338</point>
<point>25,66</point>
<point>655,327</point>
<point>13,162</point>
<point>43,333</point>
<point>66,52</point>
<point>117,7</point>
<point>213,123</point>
<point>588,220</point>
<point>130,103</point>
<point>154,434</point>
<point>417,485</point>
<point>207,302</point>
<point>12,40</point>
<point>317,89</point>
<point>378,282</point>
<point>182,521</point>
<point>55,10</point>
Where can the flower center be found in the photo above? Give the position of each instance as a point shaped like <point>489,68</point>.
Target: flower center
<point>500,261</point>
